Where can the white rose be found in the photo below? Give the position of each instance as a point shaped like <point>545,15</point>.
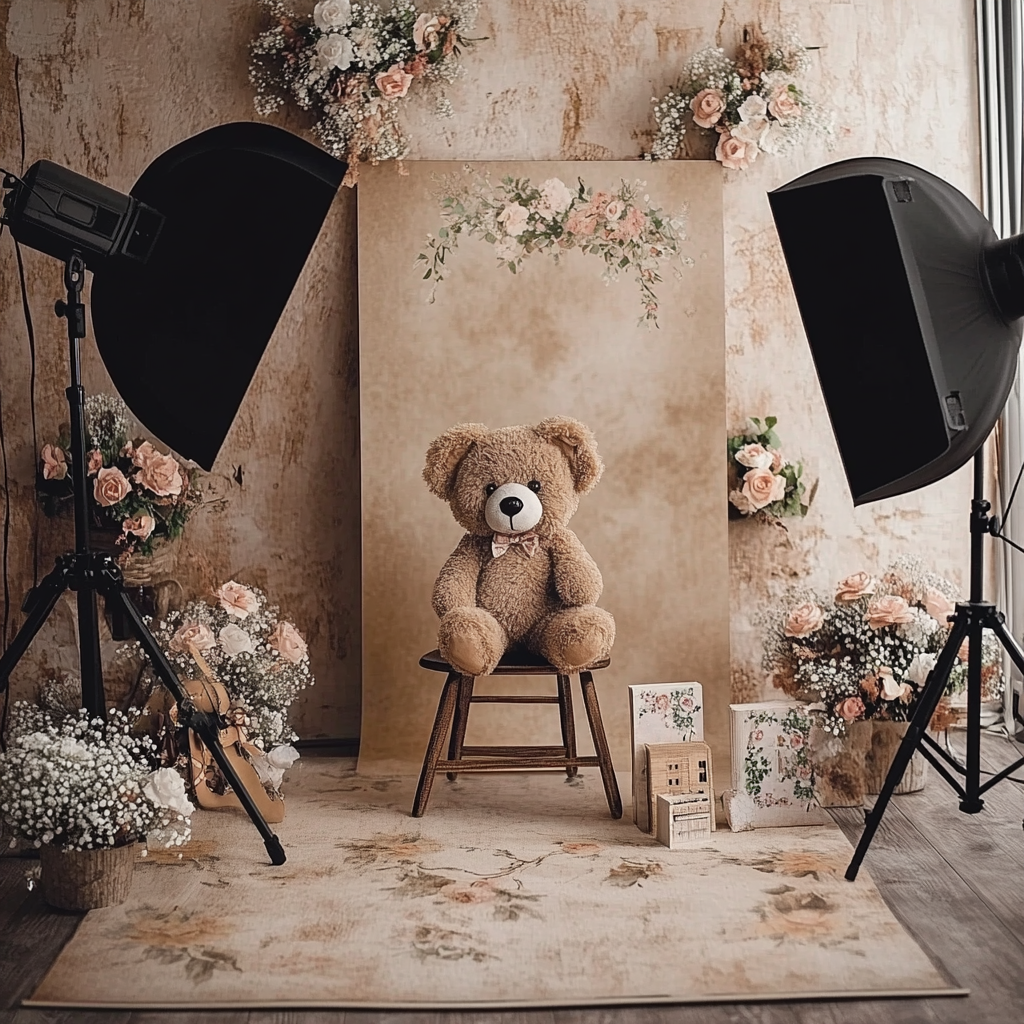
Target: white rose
<point>334,51</point>
<point>555,197</point>
<point>284,755</point>
<point>920,667</point>
<point>271,767</point>
<point>166,788</point>
<point>754,456</point>
<point>891,690</point>
<point>773,137</point>
<point>614,210</point>
<point>514,218</point>
<point>235,640</point>
<point>753,108</point>
<point>330,14</point>
<point>753,131</point>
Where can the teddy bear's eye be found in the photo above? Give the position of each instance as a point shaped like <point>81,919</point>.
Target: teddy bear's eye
<point>534,486</point>
<point>490,489</point>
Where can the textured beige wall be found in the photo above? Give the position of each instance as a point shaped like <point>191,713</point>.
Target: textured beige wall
<point>107,84</point>
<point>552,340</point>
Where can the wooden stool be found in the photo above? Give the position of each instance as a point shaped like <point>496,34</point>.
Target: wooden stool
<point>453,713</point>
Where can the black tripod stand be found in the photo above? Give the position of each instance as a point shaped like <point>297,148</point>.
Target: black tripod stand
<point>88,574</point>
<point>969,619</point>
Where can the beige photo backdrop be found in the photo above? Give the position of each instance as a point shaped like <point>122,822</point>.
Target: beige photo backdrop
<point>501,349</point>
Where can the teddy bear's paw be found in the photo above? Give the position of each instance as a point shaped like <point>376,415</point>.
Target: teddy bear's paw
<point>575,638</point>
<point>471,640</point>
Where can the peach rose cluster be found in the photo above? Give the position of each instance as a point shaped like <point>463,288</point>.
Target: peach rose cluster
<point>889,610</point>
<point>157,472</point>
<point>237,600</point>
<point>803,620</point>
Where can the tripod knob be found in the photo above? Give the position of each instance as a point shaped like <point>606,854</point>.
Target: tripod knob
<point>60,307</point>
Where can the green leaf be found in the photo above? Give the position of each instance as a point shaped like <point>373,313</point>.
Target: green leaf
<point>427,274</point>
<point>442,233</point>
<point>770,421</point>
<point>512,267</point>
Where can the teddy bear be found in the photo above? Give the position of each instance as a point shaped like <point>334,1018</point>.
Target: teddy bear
<point>519,578</point>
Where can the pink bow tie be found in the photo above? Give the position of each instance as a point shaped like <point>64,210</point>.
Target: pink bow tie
<point>501,542</point>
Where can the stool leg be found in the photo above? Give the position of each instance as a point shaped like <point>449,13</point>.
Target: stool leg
<point>459,725</point>
<point>611,787</point>
<point>568,724</point>
<point>442,721</point>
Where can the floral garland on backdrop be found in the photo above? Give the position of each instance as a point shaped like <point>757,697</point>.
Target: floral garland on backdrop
<point>351,64</point>
<point>78,784</point>
<point>519,218</point>
<point>755,102</point>
<point>137,491</point>
<point>261,659</point>
<point>763,482</point>
<point>865,653</point>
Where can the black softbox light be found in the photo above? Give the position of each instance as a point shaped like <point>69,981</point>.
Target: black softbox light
<point>182,334</point>
<point>912,310</point>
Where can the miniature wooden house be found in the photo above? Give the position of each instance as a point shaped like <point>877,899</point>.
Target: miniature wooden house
<point>684,819</point>
<point>678,768</point>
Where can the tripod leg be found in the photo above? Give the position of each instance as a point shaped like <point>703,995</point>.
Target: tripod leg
<point>204,725</point>
<point>926,705</point>
<point>93,696</point>
<point>44,599</point>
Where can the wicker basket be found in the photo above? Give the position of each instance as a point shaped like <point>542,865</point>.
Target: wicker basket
<point>86,879</point>
<point>138,570</point>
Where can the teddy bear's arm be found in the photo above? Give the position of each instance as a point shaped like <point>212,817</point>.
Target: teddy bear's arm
<point>456,583</point>
<point>577,577</point>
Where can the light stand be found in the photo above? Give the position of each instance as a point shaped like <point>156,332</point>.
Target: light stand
<point>89,573</point>
<point>969,620</point>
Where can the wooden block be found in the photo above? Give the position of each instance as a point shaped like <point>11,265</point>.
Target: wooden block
<point>677,768</point>
<point>684,819</point>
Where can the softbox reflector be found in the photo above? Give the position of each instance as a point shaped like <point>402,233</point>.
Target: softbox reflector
<point>182,335</point>
<point>913,355</point>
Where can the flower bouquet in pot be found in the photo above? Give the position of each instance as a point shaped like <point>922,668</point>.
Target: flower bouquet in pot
<point>261,660</point>
<point>139,497</point>
<point>85,793</point>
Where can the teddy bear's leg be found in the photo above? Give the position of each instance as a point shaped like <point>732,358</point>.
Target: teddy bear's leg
<point>573,638</point>
<point>471,640</point>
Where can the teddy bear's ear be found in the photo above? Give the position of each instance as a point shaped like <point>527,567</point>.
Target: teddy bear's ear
<point>579,446</point>
<point>446,453</point>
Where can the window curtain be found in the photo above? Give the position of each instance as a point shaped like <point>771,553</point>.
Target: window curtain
<point>1000,76</point>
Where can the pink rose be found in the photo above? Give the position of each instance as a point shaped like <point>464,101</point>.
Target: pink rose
<point>199,635</point>
<point>661,702</point>
<point>94,463</point>
<point>783,105</point>
<point>426,33</point>
<point>760,487</point>
<point>288,642</point>
<point>582,221</point>
<point>237,600</point>
<point>754,456</point>
<point>141,455</point>
<point>141,526</point>
<point>393,83</point>
<point>734,153</point>
<point>850,709</point>
<point>778,460</point>
<point>796,741</point>
<point>110,486</point>
<point>803,620</point>
<point>614,210</point>
<point>55,462</point>
<point>631,226</point>
<point>707,106</point>
<point>937,605</point>
<point>161,474</point>
<point>860,584</point>
<point>758,735</point>
<point>888,611</point>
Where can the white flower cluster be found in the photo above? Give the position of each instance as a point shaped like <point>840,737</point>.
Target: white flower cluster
<point>107,423</point>
<point>261,659</point>
<point>352,63</point>
<point>82,785</point>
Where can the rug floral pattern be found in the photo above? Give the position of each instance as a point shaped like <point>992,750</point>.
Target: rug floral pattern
<point>512,889</point>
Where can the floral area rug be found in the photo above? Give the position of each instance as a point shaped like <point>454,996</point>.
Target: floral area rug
<point>513,890</point>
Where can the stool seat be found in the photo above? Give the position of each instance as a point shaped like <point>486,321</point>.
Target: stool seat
<point>513,663</point>
<point>453,713</point>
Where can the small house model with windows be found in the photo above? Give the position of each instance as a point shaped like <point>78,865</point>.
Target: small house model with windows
<point>681,769</point>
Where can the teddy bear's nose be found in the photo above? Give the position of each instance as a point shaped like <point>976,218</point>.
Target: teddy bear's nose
<point>511,506</point>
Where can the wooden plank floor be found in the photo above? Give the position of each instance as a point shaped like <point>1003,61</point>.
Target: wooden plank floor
<point>955,881</point>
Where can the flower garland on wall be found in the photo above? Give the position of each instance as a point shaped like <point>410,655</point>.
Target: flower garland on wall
<point>755,102</point>
<point>352,63</point>
<point>518,218</point>
<point>135,490</point>
<point>763,482</point>
<point>865,653</point>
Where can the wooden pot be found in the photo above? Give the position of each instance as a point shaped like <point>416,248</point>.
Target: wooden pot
<point>885,740</point>
<point>86,879</point>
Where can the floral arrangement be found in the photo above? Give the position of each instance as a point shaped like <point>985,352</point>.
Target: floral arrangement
<point>81,784</point>
<point>755,102</point>
<point>261,659</point>
<point>518,218</point>
<point>677,709</point>
<point>866,653</point>
<point>351,64</point>
<point>791,761</point>
<point>762,481</point>
<point>138,491</point>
